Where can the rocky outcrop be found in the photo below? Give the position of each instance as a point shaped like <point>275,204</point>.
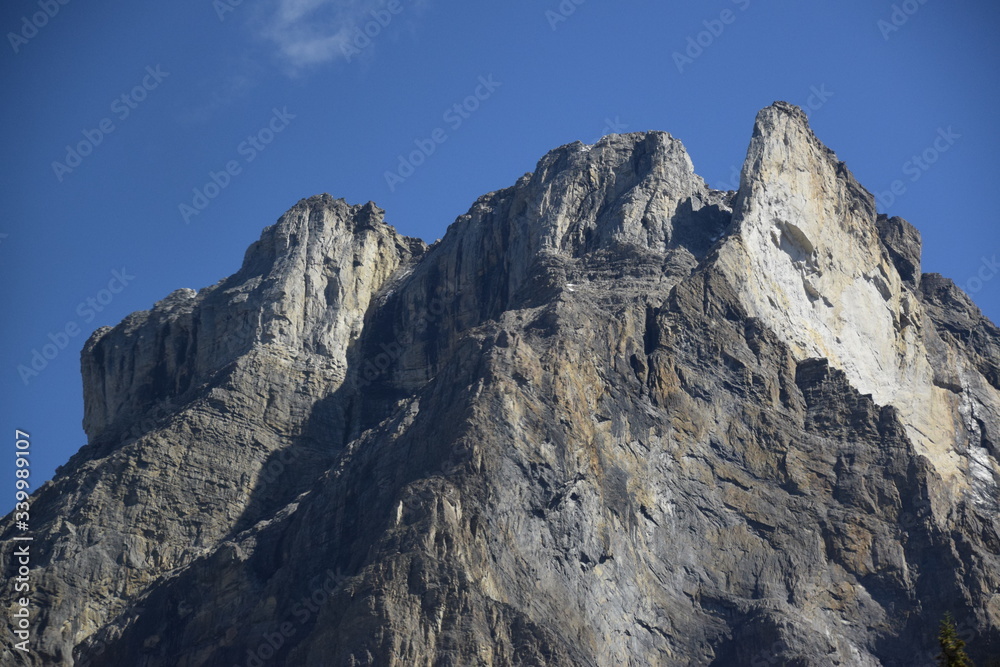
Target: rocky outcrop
<point>200,414</point>
<point>811,260</point>
<point>613,417</point>
<point>904,244</point>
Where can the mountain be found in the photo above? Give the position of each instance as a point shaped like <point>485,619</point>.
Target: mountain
<point>613,417</point>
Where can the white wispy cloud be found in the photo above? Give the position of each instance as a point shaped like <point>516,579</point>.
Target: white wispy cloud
<point>312,32</point>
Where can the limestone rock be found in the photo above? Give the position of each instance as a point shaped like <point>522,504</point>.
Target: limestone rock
<point>903,242</point>
<point>614,417</point>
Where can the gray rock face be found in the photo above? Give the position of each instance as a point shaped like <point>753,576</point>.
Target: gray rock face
<point>613,417</point>
<point>904,244</point>
<point>190,409</point>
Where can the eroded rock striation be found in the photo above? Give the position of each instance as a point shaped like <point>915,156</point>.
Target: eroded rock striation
<point>613,417</point>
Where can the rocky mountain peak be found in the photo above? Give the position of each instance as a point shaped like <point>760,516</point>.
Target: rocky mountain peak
<point>302,289</point>
<point>614,417</point>
<point>813,261</point>
<point>625,190</point>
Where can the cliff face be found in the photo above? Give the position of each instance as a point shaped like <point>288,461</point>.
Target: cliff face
<point>613,417</point>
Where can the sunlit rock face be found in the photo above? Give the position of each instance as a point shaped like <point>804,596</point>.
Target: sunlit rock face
<point>811,259</point>
<point>613,417</point>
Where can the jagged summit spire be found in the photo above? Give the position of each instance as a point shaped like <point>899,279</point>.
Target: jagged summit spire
<point>810,260</point>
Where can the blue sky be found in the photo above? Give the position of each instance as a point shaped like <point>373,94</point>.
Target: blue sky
<point>118,115</point>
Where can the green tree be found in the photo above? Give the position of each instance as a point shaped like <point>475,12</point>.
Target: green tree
<point>952,648</point>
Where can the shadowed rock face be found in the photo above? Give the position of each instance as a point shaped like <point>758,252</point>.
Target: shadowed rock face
<point>613,417</point>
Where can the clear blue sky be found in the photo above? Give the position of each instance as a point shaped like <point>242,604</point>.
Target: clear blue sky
<point>196,86</point>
